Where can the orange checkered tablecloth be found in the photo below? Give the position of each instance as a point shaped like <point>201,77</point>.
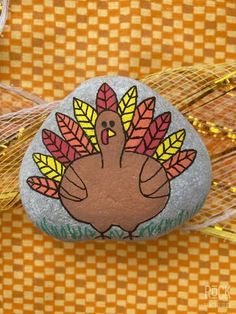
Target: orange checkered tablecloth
<point>49,47</point>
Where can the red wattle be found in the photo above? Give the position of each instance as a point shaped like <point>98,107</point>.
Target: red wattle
<point>105,137</point>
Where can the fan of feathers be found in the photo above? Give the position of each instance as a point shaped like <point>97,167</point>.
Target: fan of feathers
<point>144,134</point>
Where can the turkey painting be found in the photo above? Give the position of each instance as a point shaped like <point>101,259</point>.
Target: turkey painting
<point>111,166</point>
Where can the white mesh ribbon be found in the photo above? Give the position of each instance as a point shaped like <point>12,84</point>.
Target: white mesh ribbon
<point>3,13</point>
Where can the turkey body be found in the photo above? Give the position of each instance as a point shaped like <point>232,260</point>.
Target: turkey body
<point>123,194</point>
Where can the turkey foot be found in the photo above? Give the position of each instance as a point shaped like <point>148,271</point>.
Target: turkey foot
<point>130,236</point>
<point>102,236</point>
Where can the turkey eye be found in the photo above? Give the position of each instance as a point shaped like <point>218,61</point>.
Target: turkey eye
<point>112,123</point>
<point>104,124</point>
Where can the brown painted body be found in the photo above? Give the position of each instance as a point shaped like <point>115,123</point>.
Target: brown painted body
<point>114,187</point>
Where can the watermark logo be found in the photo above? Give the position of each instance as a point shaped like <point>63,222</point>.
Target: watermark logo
<point>217,295</point>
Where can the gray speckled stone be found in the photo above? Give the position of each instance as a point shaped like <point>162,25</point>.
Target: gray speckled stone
<point>188,191</point>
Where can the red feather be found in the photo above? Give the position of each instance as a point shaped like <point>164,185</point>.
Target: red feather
<point>142,119</point>
<point>106,99</point>
<point>58,148</point>
<point>179,163</point>
<point>74,135</point>
<point>44,186</point>
<point>154,134</point>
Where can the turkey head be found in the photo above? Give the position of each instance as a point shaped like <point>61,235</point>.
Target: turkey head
<point>111,138</point>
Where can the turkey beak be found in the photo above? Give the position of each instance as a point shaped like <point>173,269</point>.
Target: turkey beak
<point>111,133</point>
<point>106,134</point>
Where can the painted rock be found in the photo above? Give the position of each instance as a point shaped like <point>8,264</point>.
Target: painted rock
<point>114,161</point>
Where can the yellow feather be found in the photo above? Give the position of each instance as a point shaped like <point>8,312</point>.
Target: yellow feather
<point>49,166</point>
<point>86,116</point>
<point>170,146</point>
<point>127,106</point>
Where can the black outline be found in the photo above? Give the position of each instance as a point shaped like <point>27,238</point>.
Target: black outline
<point>184,168</point>
<point>102,163</point>
<point>40,192</point>
<point>63,140</point>
<point>106,109</point>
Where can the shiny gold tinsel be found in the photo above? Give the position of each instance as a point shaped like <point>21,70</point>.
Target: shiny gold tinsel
<point>206,96</point>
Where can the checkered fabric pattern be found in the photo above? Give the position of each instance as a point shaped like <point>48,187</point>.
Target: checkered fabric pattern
<point>49,47</point>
